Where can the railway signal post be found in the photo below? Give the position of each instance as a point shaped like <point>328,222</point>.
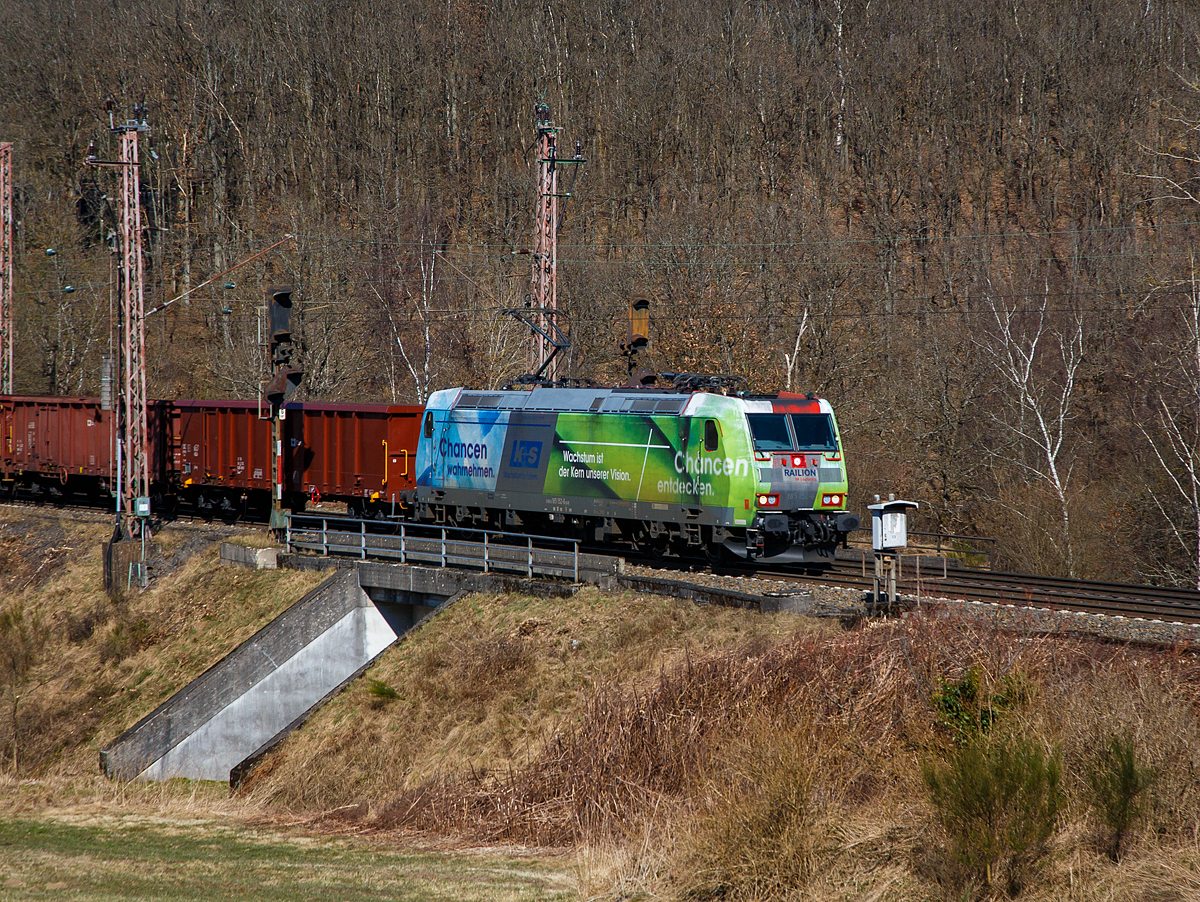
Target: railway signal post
<point>285,380</point>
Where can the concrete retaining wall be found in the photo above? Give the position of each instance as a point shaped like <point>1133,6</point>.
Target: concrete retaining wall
<point>260,690</point>
<point>251,558</point>
<point>224,720</point>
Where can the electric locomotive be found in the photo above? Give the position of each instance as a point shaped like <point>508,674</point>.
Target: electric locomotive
<point>760,478</point>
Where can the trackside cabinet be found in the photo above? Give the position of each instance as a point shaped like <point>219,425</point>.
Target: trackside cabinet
<point>889,524</point>
<point>889,534</point>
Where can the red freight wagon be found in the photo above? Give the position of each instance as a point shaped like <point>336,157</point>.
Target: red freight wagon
<point>216,456</point>
<point>64,446</point>
<point>221,455</point>
<point>361,454</point>
<point>221,443</point>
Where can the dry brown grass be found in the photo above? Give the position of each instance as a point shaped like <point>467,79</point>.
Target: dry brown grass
<point>681,752</point>
<point>638,748</point>
<point>111,660</point>
<point>737,759</point>
<point>484,686</point>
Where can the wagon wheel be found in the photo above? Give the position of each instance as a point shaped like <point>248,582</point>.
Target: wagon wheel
<point>229,512</point>
<point>204,508</point>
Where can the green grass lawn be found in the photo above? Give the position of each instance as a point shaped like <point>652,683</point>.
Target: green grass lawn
<point>131,859</point>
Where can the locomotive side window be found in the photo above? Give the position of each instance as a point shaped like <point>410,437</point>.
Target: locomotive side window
<point>770,431</point>
<point>429,425</point>
<point>814,432</point>
<point>710,435</point>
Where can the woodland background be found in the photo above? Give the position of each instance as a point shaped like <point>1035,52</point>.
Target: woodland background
<point>971,225</point>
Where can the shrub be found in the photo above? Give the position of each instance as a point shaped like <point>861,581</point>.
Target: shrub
<point>965,710</point>
<point>1118,785</point>
<point>82,628</point>
<point>998,800</point>
<point>126,638</point>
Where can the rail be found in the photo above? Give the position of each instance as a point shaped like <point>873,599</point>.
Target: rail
<point>1172,605</point>
<point>411,543</point>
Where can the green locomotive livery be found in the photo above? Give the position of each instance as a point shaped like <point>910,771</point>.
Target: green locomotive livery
<point>761,478</point>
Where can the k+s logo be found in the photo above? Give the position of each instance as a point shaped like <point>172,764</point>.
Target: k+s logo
<point>526,454</point>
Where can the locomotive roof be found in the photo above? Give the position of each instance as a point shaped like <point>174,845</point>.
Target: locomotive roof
<point>581,400</point>
<point>590,400</point>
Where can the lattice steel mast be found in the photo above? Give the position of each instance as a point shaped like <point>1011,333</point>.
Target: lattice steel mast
<point>546,220</point>
<point>545,242</point>
<point>133,463</point>
<point>6,270</point>
<point>135,490</point>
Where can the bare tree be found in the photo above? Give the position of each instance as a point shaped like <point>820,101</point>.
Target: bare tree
<point>407,292</point>
<point>1177,416</point>
<point>1039,364</point>
<point>791,359</point>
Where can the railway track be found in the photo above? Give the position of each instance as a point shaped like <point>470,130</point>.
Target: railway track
<point>922,577</point>
<point>1169,604</point>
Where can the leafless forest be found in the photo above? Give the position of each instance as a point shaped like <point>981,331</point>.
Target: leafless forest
<point>970,224</point>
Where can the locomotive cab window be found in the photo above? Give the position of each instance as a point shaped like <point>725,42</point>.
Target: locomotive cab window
<point>814,432</point>
<point>770,431</point>
<point>710,435</point>
<point>429,425</point>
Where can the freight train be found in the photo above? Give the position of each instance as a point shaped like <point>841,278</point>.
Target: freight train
<point>213,457</point>
<point>671,470</point>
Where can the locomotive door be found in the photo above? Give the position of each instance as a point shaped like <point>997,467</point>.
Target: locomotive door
<point>435,434</point>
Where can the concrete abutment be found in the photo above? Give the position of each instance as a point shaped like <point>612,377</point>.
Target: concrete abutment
<point>224,720</point>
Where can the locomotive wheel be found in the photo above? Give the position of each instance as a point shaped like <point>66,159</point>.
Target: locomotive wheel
<point>657,547</point>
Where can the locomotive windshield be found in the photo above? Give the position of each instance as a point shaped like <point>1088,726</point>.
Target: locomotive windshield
<point>814,432</point>
<point>809,432</point>
<point>770,431</point>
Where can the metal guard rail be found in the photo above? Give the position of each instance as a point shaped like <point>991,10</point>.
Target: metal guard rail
<point>354,542</point>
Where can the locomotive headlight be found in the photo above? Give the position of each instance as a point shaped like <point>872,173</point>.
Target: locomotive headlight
<point>798,460</point>
<point>768,500</point>
<point>834,500</point>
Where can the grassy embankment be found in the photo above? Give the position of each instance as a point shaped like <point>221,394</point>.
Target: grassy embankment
<point>657,749</point>
<point>700,754</point>
<point>66,832</point>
